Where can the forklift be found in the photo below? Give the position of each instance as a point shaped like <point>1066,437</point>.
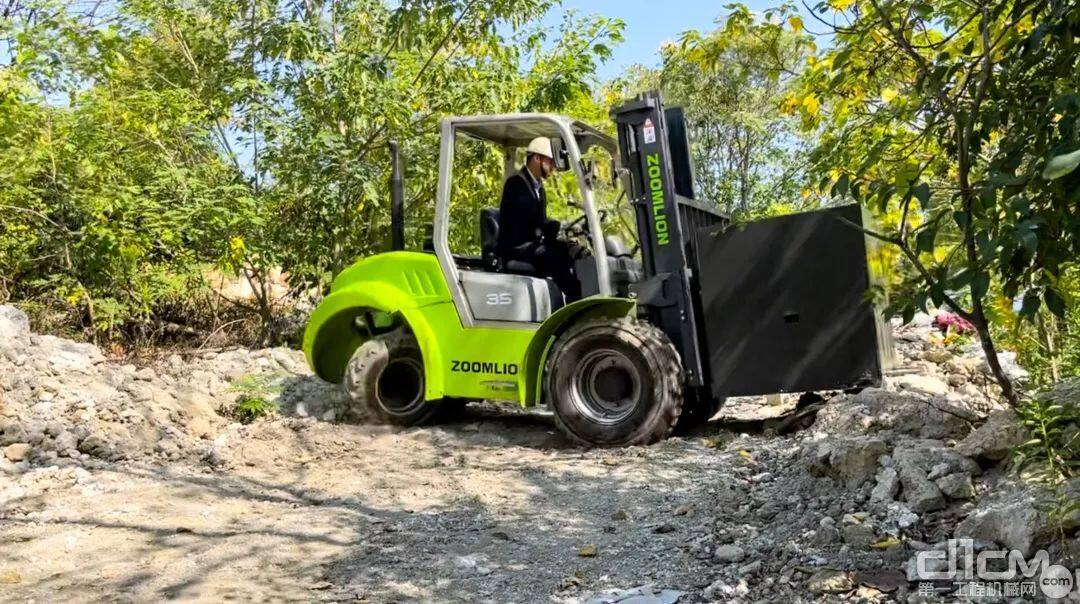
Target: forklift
<point>707,309</point>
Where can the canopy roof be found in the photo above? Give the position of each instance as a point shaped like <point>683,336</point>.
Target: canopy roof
<point>517,129</point>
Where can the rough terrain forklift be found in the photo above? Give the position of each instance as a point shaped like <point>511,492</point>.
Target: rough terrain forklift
<point>709,310</point>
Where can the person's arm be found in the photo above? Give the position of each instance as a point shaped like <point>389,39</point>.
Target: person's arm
<point>549,226</point>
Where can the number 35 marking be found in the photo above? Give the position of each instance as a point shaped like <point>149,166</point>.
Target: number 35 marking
<point>499,299</point>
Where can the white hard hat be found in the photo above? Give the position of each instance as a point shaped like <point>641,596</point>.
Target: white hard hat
<point>540,146</point>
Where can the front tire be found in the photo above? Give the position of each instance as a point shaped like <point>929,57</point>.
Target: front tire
<point>385,380</point>
<point>614,382</point>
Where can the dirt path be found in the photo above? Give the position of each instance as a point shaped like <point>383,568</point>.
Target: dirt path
<point>494,507</point>
<point>125,483</point>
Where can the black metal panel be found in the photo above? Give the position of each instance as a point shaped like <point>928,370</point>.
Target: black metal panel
<point>783,304</point>
<point>679,143</point>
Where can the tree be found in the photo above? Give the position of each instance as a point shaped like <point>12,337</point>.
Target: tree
<point>962,116</point>
<point>148,140</point>
<point>748,156</point>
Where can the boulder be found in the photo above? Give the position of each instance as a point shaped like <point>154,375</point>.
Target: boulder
<point>1065,392</point>
<point>931,455</point>
<point>829,581</point>
<point>917,460</point>
<point>920,493</point>
<point>859,536</point>
<point>1071,519</point>
<point>67,356</point>
<point>1002,431</point>
<point>14,323</point>
<point>17,451</point>
<point>852,460</point>
<point>956,486</point>
<point>887,487</point>
<point>14,332</point>
<point>1010,518</point>
<point>876,410</point>
<point>728,553</point>
<point>921,383</point>
<point>937,355</point>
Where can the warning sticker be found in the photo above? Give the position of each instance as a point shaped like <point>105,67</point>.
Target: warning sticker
<point>649,132</point>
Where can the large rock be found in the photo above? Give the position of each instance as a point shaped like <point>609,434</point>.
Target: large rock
<point>65,355</point>
<point>887,487</point>
<point>1071,519</point>
<point>919,463</point>
<point>14,333</point>
<point>921,383</point>
<point>933,458</point>
<point>14,325</point>
<point>1010,518</point>
<point>1066,392</point>
<point>993,440</point>
<point>956,486</point>
<point>830,581</point>
<point>877,410</point>
<point>17,451</point>
<point>851,460</point>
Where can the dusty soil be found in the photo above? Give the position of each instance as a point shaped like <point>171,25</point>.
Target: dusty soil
<point>125,483</point>
<point>493,507</point>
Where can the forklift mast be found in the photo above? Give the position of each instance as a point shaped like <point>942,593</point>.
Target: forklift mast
<point>655,153</point>
<point>768,306</point>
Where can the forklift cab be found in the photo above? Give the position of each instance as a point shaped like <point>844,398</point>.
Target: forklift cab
<point>486,290</point>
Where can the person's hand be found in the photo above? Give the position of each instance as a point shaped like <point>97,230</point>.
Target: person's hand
<point>551,230</point>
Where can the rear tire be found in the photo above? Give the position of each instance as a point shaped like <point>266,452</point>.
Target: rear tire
<point>385,380</point>
<point>614,382</point>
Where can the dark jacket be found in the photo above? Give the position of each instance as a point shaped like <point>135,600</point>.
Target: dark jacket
<point>522,215</point>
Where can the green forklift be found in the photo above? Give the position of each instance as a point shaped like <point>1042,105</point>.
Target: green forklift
<point>700,309</point>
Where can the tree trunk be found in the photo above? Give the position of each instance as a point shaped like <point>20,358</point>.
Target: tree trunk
<point>982,327</point>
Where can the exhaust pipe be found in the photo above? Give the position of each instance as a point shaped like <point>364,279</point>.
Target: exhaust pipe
<point>397,200</point>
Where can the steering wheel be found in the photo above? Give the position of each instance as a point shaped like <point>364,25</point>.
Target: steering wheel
<point>579,225</point>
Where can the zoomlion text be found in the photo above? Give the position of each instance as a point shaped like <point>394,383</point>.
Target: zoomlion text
<point>656,189</point>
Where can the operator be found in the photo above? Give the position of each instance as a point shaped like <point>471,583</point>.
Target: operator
<point>526,234</point>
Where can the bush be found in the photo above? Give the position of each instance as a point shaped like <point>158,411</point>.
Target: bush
<point>248,408</point>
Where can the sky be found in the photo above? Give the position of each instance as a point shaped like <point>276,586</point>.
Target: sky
<point>650,23</point>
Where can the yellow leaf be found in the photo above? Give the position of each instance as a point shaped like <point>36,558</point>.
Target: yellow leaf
<point>744,453</point>
<point>790,104</point>
<point>589,551</point>
<point>885,543</point>
<point>811,105</point>
<point>888,94</point>
<point>795,22</point>
<point>841,4</point>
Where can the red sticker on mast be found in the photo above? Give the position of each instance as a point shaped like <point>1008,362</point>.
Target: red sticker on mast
<point>649,132</point>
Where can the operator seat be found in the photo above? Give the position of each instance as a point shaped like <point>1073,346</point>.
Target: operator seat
<point>489,237</point>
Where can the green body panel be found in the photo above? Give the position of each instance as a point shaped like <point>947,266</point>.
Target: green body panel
<point>502,363</point>
<point>536,354</point>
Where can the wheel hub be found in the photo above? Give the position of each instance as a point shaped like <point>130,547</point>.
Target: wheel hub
<point>607,388</point>
<point>400,388</point>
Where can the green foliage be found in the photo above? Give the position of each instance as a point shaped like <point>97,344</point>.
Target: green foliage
<point>248,408</point>
<point>1048,346</point>
<point>144,143</point>
<point>259,384</point>
<point>947,113</point>
<point>1052,455</point>
<point>749,157</point>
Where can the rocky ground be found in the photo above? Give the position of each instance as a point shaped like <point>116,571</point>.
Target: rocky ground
<point>120,482</point>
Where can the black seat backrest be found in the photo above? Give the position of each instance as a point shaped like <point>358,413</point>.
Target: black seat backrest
<point>489,238</point>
